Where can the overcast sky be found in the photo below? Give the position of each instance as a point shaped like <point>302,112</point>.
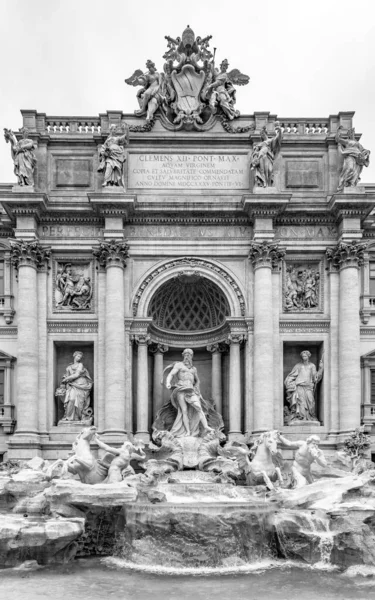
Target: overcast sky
<point>304,59</point>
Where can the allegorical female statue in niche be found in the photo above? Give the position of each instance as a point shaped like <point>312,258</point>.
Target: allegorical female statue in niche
<point>75,391</point>
<point>112,156</point>
<point>300,387</point>
<point>263,156</point>
<point>23,156</point>
<point>355,158</point>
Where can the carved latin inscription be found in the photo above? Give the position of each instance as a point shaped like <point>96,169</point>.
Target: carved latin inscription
<point>192,171</point>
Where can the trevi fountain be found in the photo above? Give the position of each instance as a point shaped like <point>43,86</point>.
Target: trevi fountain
<point>187,356</point>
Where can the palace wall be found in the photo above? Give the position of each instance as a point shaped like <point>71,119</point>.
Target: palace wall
<point>189,210</point>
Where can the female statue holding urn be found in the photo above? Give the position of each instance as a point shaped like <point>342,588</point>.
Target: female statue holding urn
<point>75,388</point>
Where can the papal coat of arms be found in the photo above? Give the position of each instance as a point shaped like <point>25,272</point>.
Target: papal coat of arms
<point>190,90</point>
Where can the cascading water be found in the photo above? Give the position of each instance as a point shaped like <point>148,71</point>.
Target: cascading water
<point>319,526</point>
<point>200,525</point>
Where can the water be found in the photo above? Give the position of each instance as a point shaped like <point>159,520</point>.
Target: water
<point>95,579</point>
<point>319,526</point>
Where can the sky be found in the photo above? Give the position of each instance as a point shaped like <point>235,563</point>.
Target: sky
<point>304,58</point>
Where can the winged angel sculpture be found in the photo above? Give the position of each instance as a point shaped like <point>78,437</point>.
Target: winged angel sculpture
<point>190,89</point>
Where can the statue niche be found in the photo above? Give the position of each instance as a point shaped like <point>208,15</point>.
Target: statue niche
<point>75,388</point>
<point>301,384</point>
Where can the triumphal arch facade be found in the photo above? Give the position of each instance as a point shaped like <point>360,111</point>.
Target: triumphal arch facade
<point>128,238</point>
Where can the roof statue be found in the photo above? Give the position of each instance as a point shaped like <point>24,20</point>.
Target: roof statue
<point>190,90</point>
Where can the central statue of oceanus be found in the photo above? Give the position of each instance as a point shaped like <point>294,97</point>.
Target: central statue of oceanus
<point>187,413</point>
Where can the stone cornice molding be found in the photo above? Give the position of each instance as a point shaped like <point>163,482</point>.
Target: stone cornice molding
<point>346,255</point>
<point>112,204</point>
<point>112,253</point>
<point>24,204</point>
<point>188,219</point>
<point>265,205</point>
<point>30,254</point>
<point>347,205</point>
<point>266,254</point>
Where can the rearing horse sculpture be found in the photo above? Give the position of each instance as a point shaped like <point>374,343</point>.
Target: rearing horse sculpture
<point>264,466</point>
<point>82,463</point>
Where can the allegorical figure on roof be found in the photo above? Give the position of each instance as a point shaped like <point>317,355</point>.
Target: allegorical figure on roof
<point>149,96</point>
<point>189,90</point>
<point>263,156</point>
<point>355,158</point>
<point>112,156</point>
<point>23,156</point>
<point>222,93</point>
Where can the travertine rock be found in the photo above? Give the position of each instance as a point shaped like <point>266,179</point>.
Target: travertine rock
<point>97,495</point>
<point>353,539</point>
<point>324,494</point>
<point>45,541</point>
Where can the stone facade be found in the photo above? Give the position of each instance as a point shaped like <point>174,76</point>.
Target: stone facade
<point>188,252</point>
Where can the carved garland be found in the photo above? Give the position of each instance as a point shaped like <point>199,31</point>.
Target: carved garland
<point>192,263</point>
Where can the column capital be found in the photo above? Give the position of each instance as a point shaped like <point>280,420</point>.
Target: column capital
<point>346,255</point>
<point>30,254</point>
<point>141,339</point>
<point>266,254</point>
<point>112,253</point>
<point>158,348</point>
<point>236,338</point>
<point>214,348</point>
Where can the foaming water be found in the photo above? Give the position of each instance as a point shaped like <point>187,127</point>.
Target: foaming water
<point>240,569</point>
<point>95,579</point>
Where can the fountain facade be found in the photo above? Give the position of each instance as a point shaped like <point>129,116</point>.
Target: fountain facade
<point>242,242</point>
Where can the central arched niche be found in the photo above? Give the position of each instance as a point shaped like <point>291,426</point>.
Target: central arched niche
<point>189,302</point>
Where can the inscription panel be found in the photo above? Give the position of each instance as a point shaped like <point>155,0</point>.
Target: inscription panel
<point>69,231</point>
<point>306,232</point>
<point>188,231</point>
<point>193,171</point>
<point>303,174</point>
<point>73,172</point>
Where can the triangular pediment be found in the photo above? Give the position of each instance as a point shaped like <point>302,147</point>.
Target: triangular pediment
<point>4,356</point>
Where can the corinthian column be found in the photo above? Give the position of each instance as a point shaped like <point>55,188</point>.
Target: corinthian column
<point>143,341</point>
<point>158,351</point>
<point>264,256</point>
<point>27,257</point>
<point>112,255</point>
<point>216,375</point>
<point>235,387</point>
<point>347,258</point>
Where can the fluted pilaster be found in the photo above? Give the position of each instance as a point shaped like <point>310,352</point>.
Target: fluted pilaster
<point>112,256</point>
<point>264,256</point>
<point>347,258</point>
<point>28,257</point>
